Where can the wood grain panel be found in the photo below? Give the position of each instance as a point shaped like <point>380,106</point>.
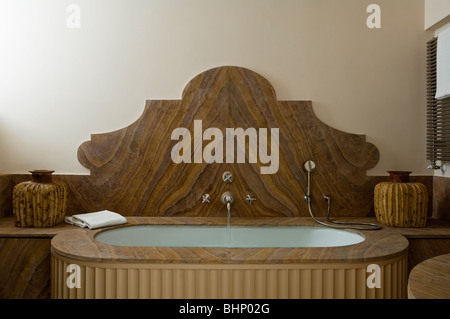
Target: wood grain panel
<point>441,197</point>
<point>430,279</point>
<point>6,187</point>
<point>133,174</point>
<point>421,249</point>
<point>79,200</point>
<point>80,244</point>
<point>24,268</point>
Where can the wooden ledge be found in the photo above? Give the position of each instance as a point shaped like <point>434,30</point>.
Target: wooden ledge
<point>436,228</point>
<point>8,229</point>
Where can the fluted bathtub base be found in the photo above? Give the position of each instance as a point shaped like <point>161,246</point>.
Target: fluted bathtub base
<point>245,281</point>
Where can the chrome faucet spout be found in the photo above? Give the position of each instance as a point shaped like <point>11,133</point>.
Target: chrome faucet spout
<point>228,199</point>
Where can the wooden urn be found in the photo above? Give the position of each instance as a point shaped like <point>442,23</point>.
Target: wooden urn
<point>400,203</point>
<point>40,202</point>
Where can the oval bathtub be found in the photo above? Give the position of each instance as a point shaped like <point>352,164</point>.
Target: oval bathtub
<point>116,263</point>
<point>223,236</point>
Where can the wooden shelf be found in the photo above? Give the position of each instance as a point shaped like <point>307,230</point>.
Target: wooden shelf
<point>435,228</point>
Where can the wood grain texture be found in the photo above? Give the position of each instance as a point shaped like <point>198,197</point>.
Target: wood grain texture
<point>8,229</point>
<point>81,245</point>
<point>78,186</point>
<point>436,228</point>
<point>441,197</point>
<point>6,186</point>
<point>421,249</point>
<point>430,279</point>
<point>424,243</point>
<point>132,172</point>
<point>24,268</point>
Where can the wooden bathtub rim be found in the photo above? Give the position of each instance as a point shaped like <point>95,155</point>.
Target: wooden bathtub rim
<point>174,266</point>
<point>80,245</point>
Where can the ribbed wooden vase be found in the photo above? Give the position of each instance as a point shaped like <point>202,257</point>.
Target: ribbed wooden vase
<point>400,203</point>
<point>40,202</point>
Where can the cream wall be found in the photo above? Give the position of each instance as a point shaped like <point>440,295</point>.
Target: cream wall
<point>59,85</point>
<point>437,13</point>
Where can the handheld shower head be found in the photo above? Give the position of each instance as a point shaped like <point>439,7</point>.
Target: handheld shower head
<point>308,166</point>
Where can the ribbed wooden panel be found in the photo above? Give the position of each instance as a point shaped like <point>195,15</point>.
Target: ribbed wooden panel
<point>293,281</point>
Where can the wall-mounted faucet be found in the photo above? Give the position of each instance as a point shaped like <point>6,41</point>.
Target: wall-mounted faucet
<point>250,198</point>
<point>227,177</point>
<point>206,198</point>
<point>227,199</point>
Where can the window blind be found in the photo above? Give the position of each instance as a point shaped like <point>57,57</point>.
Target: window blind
<point>438,114</point>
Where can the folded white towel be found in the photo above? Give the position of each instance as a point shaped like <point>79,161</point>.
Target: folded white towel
<point>443,65</point>
<point>96,220</point>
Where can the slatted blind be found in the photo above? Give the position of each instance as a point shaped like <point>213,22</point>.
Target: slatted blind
<point>438,114</point>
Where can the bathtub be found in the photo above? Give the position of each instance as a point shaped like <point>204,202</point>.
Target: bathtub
<point>227,237</point>
<point>157,257</point>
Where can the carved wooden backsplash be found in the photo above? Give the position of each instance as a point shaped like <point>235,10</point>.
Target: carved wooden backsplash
<point>134,174</point>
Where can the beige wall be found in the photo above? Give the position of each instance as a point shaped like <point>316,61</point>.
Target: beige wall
<point>437,13</point>
<point>59,85</point>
